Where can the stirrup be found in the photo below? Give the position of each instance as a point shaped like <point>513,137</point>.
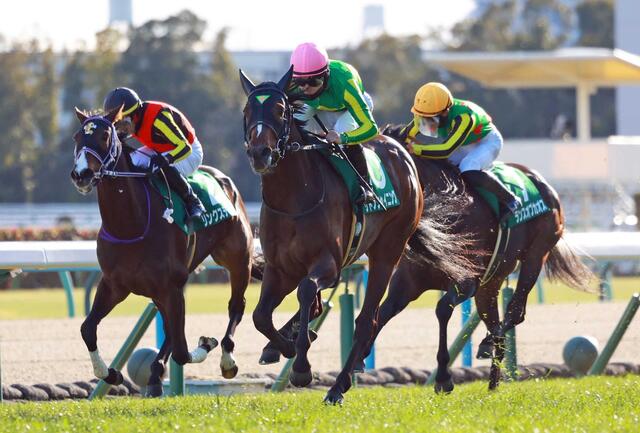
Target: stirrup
<point>365,197</point>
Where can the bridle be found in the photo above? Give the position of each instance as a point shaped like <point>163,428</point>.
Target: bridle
<point>284,132</point>
<point>108,161</point>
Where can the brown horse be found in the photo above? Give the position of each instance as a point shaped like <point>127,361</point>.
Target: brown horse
<point>305,225</point>
<point>534,244</point>
<point>140,252</point>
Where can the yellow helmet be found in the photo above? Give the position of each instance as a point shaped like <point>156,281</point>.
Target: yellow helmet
<point>432,99</point>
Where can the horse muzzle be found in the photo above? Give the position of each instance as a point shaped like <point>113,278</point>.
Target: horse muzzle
<point>83,181</point>
<point>262,159</point>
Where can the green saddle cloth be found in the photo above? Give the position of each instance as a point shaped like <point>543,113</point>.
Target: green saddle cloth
<point>380,181</point>
<point>518,183</point>
<point>218,206</point>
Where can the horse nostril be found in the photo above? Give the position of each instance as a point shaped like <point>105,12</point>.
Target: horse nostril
<point>265,152</point>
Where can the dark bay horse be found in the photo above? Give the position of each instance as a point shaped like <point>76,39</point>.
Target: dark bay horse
<point>306,221</point>
<point>140,252</point>
<point>305,225</point>
<point>534,244</point>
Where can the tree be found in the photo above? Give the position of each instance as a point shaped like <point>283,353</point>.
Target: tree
<point>103,70</point>
<point>392,70</point>
<point>595,23</point>
<point>18,149</point>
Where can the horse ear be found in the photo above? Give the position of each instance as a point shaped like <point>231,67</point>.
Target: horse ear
<point>114,114</point>
<point>247,84</point>
<point>80,115</point>
<point>283,84</point>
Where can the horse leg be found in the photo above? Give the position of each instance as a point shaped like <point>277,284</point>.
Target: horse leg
<point>404,288</point>
<point>275,287</point>
<point>239,280</point>
<point>454,296</point>
<point>319,278</point>
<point>159,364</point>
<point>380,272</point>
<point>271,355</point>
<point>175,313</point>
<point>106,298</point>
<point>487,306</point>
<point>529,271</point>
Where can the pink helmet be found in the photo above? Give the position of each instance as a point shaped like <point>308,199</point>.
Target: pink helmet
<point>308,60</point>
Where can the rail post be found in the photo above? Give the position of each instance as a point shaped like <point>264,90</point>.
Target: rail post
<point>67,283</point>
<point>607,352</point>
<point>127,348</point>
<point>467,349</point>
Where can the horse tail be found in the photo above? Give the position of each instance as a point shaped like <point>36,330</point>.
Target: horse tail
<point>436,243</point>
<point>257,266</point>
<point>563,264</point>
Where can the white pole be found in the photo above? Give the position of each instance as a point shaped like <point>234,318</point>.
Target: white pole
<point>583,92</point>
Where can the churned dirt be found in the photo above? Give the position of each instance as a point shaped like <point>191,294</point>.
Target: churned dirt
<point>52,351</point>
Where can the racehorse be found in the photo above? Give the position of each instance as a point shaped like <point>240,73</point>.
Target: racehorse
<point>140,252</point>
<point>305,224</point>
<point>533,244</point>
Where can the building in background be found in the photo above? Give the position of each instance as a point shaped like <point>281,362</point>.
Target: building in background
<point>373,21</point>
<point>120,12</point>
<point>627,37</point>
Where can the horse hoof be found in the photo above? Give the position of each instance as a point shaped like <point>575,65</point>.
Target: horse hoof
<point>154,390</point>
<point>269,356</point>
<point>333,398</point>
<point>444,387</point>
<point>207,343</point>
<point>114,377</point>
<point>359,367</point>
<point>485,351</point>
<point>300,379</point>
<point>230,373</point>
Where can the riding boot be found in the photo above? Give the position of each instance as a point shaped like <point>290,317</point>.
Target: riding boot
<point>179,184</point>
<point>509,202</point>
<point>355,153</point>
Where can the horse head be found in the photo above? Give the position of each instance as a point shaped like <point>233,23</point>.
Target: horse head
<point>97,149</point>
<point>267,121</point>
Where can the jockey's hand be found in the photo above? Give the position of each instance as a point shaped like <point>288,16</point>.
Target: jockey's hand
<point>332,137</point>
<point>158,161</point>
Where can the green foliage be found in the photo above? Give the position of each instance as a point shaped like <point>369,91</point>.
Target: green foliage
<point>169,60</point>
<point>593,404</point>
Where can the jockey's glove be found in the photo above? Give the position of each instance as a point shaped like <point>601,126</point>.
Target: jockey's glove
<point>158,162</point>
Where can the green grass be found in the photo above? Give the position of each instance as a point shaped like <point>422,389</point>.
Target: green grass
<point>603,404</point>
<point>213,298</point>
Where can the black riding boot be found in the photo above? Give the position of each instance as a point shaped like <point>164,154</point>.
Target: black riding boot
<point>355,153</point>
<point>509,202</point>
<point>179,184</point>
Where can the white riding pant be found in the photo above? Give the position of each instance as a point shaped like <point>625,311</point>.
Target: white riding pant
<point>141,158</point>
<point>479,155</point>
<point>339,121</point>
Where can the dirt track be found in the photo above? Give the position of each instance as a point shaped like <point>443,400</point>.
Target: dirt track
<point>52,351</point>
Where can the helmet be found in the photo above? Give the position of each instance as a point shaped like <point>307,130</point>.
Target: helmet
<point>308,60</point>
<point>119,96</point>
<point>432,99</point>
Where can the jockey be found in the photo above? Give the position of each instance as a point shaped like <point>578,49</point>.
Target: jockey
<point>333,91</point>
<point>461,132</point>
<point>169,141</point>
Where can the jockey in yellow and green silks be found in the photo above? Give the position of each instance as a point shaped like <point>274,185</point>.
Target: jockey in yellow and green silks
<point>460,131</point>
